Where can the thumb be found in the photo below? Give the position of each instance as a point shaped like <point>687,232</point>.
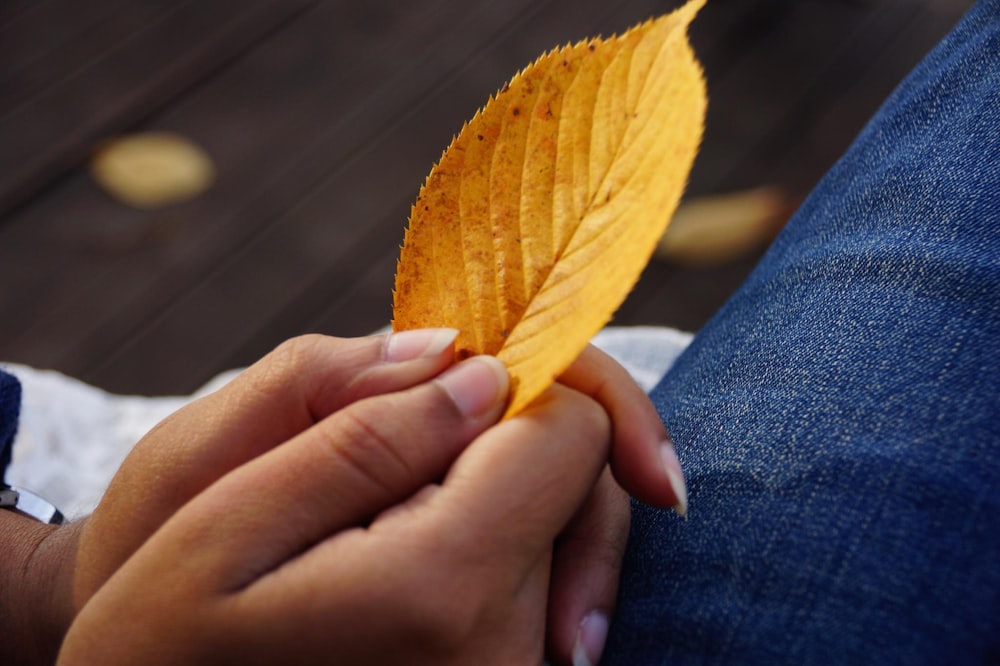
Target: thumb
<point>340,473</point>
<point>285,393</point>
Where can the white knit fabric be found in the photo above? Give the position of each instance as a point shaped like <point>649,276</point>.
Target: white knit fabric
<point>73,436</point>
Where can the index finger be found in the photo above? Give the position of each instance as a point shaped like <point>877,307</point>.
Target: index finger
<point>642,456</point>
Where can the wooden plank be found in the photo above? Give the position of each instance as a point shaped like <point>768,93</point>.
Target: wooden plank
<point>353,297</point>
<point>55,129</point>
<point>401,152</point>
<point>854,89</point>
<point>136,299</point>
<point>761,83</point>
<point>80,237</point>
<point>13,10</point>
<point>323,133</point>
<point>345,76</point>
<point>62,38</point>
<point>105,257</point>
<point>361,301</point>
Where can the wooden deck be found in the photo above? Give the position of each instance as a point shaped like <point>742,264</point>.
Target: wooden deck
<point>323,117</point>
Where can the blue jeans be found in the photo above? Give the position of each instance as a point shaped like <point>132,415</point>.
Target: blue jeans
<point>839,419</point>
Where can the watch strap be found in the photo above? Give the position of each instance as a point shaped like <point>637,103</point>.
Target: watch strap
<point>29,504</point>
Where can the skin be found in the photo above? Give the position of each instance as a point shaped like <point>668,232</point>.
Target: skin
<point>343,502</point>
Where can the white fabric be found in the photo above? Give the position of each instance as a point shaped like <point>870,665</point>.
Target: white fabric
<point>73,437</point>
<point>647,352</point>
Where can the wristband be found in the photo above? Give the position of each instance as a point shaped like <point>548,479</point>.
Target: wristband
<point>29,504</point>
<point>13,499</point>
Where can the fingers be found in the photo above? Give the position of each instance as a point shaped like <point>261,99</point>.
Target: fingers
<point>585,571</point>
<point>519,483</point>
<point>288,544</point>
<point>299,383</point>
<point>344,470</point>
<point>475,552</point>
<point>642,457</point>
<point>307,378</point>
<point>286,392</point>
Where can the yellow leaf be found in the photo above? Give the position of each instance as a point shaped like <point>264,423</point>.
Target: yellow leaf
<point>718,229</point>
<point>152,169</point>
<point>543,211</point>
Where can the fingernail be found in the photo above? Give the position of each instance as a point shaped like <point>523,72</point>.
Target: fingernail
<point>418,343</point>
<point>477,385</point>
<point>590,639</point>
<point>672,468</point>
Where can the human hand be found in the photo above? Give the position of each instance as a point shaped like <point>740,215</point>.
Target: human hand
<point>588,554</point>
<point>48,572</point>
<point>297,385</point>
<point>361,557</point>
<point>262,408</point>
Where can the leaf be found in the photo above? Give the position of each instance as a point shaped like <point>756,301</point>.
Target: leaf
<point>152,169</point>
<point>722,228</point>
<point>540,216</point>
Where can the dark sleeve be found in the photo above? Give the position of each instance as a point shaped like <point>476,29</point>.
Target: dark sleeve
<point>10,407</point>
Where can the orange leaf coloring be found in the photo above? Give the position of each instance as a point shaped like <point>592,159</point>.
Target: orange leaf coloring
<point>541,214</point>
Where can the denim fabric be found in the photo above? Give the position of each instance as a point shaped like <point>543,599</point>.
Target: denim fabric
<point>10,406</point>
<point>839,419</point>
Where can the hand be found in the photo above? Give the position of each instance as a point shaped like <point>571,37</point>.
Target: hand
<point>338,544</point>
<point>48,573</point>
<point>308,379</point>
<point>589,552</point>
<point>299,384</point>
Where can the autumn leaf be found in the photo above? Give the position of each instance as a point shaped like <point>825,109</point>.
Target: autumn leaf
<point>541,214</point>
<point>152,169</point>
<point>718,229</point>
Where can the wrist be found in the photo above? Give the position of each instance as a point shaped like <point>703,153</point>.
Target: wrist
<point>36,575</point>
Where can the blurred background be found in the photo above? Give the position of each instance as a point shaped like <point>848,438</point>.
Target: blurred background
<point>320,120</point>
